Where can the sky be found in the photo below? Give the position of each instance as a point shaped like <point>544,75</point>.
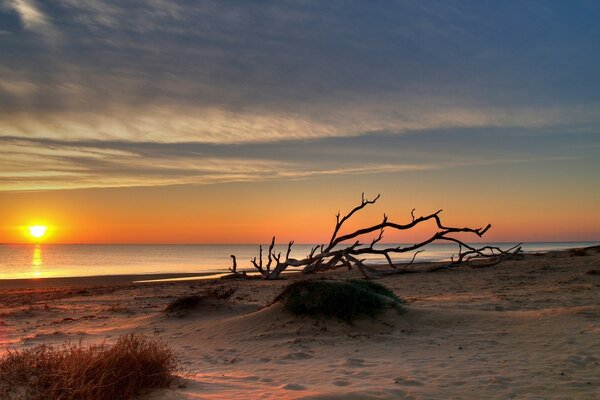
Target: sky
<point>232,121</point>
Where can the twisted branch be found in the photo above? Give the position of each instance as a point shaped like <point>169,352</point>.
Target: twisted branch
<point>335,255</point>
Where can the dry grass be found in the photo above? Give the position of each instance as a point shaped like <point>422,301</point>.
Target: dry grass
<point>133,365</point>
<point>183,305</point>
<point>221,292</point>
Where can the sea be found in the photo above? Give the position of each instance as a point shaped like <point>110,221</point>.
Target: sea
<point>24,261</point>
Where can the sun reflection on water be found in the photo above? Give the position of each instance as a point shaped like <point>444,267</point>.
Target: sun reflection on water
<point>37,262</point>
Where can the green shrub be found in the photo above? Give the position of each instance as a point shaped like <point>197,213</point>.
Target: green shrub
<point>344,300</point>
<point>377,288</point>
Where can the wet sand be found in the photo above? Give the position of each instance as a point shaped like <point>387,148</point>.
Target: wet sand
<point>85,281</point>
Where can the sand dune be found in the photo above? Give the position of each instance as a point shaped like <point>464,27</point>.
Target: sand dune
<point>523,329</point>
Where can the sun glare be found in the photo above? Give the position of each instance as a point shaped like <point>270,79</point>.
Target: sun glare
<point>37,231</point>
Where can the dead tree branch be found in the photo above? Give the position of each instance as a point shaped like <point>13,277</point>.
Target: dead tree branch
<point>338,253</point>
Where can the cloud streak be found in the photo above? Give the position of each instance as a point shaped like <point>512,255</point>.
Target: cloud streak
<point>33,18</point>
<point>42,164</point>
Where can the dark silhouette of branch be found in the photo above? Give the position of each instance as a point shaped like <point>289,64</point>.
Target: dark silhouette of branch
<point>234,266</point>
<point>336,254</point>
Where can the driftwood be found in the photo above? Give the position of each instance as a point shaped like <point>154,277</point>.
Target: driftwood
<point>345,250</point>
<point>233,269</point>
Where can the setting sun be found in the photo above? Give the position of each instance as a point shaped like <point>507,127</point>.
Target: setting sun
<point>37,231</point>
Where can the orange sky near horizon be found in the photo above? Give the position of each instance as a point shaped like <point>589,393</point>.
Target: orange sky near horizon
<point>304,211</point>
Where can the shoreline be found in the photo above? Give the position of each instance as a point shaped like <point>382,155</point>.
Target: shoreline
<point>94,280</point>
<point>154,278</point>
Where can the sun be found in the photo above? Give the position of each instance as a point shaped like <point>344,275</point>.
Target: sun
<point>37,231</point>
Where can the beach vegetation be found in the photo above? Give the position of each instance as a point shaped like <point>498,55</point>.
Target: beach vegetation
<point>344,300</point>
<point>133,365</point>
<point>181,306</point>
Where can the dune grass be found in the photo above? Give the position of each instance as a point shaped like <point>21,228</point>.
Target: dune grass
<point>133,365</point>
<point>183,305</point>
<point>345,300</point>
<point>376,288</point>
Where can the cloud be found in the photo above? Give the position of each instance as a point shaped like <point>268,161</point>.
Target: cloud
<point>29,13</point>
<point>33,18</point>
<point>173,124</point>
<point>43,164</point>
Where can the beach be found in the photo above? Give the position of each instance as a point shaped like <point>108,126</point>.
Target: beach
<point>526,328</point>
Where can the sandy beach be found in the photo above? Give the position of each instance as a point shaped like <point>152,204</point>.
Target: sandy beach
<point>526,329</point>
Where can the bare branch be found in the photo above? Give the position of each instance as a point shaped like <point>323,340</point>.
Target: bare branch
<point>332,256</point>
<point>415,256</point>
<point>289,249</point>
<point>271,254</point>
<point>378,238</point>
<point>233,268</point>
<point>339,222</point>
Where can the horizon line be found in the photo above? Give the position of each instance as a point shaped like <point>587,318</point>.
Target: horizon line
<point>277,244</point>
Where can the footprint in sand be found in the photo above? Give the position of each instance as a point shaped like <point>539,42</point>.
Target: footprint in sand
<point>355,362</point>
<point>358,363</point>
<point>209,359</point>
<point>298,355</point>
<point>407,381</point>
<point>341,382</point>
<point>251,378</point>
<point>293,386</point>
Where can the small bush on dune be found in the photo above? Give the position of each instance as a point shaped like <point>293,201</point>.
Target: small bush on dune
<point>220,292</point>
<point>345,300</point>
<point>133,365</point>
<point>182,305</point>
<point>593,272</point>
<point>578,252</point>
<point>377,288</point>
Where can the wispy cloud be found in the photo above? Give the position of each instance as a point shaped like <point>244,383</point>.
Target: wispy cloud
<point>29,13</point>
<point>33,18</point>
<point>41,164</point>
<point>213,125</point>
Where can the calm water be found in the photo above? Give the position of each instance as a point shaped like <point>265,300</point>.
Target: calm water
<point>42,261</point>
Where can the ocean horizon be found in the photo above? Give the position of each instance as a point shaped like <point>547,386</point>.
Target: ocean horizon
<point>27,261</point>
